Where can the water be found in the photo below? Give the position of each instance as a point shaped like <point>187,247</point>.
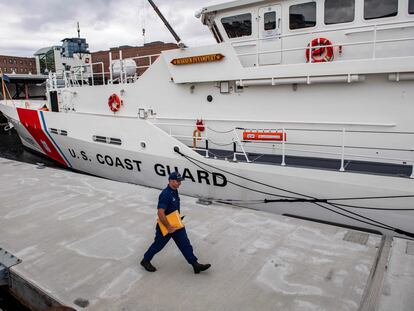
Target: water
<point>12,148</point>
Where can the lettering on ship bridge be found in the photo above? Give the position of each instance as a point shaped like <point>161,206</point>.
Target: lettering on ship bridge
<point>159,169</point>
<point>198,59</point>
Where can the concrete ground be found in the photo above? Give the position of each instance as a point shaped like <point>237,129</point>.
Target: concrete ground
<point>81,239</point>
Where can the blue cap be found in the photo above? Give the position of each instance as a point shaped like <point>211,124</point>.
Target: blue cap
<point>175,176</point>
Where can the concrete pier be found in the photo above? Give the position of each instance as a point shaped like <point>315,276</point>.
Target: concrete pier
<point>80,239</point>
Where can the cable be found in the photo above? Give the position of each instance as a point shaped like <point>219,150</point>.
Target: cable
<point>310,199</point>
<point>374,198</point>
<point>176,149</point>
<point>220,132</point>
<point>350,217</point>
<point>375,208</point>
<point>363,217</point>
<point>238,185</point>
<point>220,144</point>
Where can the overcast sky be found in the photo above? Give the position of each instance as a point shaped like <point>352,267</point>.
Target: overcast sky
<point>28,25</point>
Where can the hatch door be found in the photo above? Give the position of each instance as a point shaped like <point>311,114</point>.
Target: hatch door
<point>270,23</point>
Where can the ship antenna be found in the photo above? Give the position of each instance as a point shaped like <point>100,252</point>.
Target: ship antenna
<point>176,37</point>
<point>79,43</point>
<point>143,20</point>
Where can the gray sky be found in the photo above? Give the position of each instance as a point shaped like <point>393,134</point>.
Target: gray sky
<point>28,25</point>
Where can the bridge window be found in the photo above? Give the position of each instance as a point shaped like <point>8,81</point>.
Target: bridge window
<point>411,7</point>
<point>302,15</point>
<point>238,25</point>
<point>380,8</point>
<point>337,12</point>
<point>270,20</point>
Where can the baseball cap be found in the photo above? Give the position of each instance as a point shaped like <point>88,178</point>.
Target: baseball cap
<point>175,176</point>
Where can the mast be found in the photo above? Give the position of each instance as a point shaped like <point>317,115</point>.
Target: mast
<point>79,43</point>
<point>176,37</point>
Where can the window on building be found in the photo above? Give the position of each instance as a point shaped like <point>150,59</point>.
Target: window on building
<point>269,20</point>
<point>411,6</point>
<point>380,8</point>
<point>302,15</point>
<point>337,12</point>
<point>238,25</point>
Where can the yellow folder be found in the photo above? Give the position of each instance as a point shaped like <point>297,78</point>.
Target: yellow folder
<point>174,219</point>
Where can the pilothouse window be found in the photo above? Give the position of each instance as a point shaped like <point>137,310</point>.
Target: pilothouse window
<point>411,7</point>
<point>380,8</point>
<point>337,12</point>
<point>270,20</point>
<point>238,25</point>
<point>302,15</point>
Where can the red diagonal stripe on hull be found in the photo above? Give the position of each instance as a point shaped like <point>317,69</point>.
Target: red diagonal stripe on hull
<point>30,120</point>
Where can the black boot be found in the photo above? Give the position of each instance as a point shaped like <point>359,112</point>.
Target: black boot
<point>148,266</point>
<point>198,267</point>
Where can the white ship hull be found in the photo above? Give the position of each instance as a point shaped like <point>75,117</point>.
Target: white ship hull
<point>240,183</point>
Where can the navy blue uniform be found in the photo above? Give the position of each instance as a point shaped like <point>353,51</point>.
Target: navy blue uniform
<point>169,200</point>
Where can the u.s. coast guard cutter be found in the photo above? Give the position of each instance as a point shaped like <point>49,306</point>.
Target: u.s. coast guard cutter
<point>302,108</point>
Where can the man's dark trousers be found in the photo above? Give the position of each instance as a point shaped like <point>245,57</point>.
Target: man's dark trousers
<point>180,238</point>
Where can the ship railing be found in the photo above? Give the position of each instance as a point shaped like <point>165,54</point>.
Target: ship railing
<point>84,75</point>
<point>375,42</point>
<point>197,136</point>
<point>340,150</point>
<point>123,73</point>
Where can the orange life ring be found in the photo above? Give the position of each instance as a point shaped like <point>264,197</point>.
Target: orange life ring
<point>114,102</point>
<point>321,51</point>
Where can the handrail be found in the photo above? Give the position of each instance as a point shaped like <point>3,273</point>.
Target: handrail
<point>371,28</point>
<point>331,45</point>
<point>72,77</point>
<point>323,31</point>
<point>342,147</point>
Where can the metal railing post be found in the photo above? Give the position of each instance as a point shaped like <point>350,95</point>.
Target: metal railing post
<point>283,148</point>
<point>206,148</point>
<point>241,146</point>
<point>342,169</point>
<point>110,69</point>
<point>121,64</point>
<point>206,143</point>
<point>234,151</point>
<point>374,52</point>
<point>412,170</point>
<point>93,81</point>
<point>103,73</point>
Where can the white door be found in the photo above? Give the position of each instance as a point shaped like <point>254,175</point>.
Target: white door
<point>269,35</point>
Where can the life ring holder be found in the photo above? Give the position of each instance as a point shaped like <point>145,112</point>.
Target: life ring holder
<point>196,136</point>
<point>114,103</point>
<point>321,51</point>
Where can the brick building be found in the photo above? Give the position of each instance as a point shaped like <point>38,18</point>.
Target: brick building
<point>18,65</point>
<point>152,48</point>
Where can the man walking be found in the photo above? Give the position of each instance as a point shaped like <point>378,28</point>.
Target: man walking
<point>169,202</point>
